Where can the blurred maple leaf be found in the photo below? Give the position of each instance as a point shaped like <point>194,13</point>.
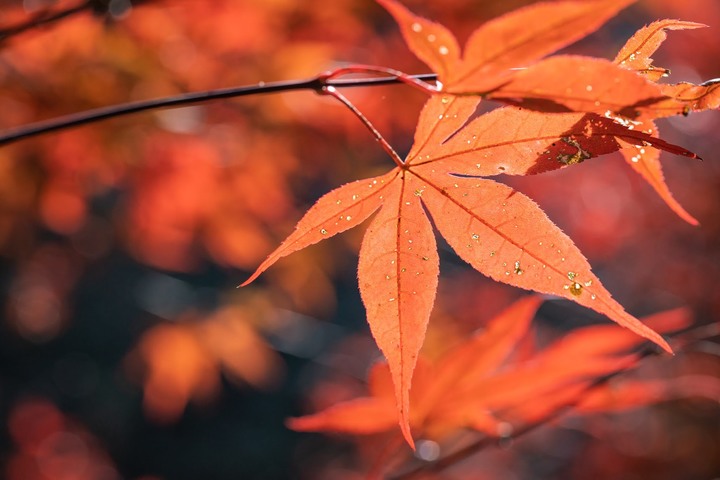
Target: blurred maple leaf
<point>52,446</point>
<point>182,362</point>
<point>480,385</point>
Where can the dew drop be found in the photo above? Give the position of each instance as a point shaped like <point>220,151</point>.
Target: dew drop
<point>387,277</point>
<point>426,258</point>
<point>416,27</point>
<point>475,236</point>
<point>571,275</point>
<point>588,88</point>
<point>354,197</point>
<point>507,273</point>
<point>391,299</point>
<point>518,270</point>
<point>440,117</point>
<point>348,218</point>
<point>492,253</point>
<point>403,270</point>
<point>431,38</point>
<point>443,50</point>
<point>445,100</point>
<point>576,289</point>
<point>588,283</point>
<point>323,231</point>
<point>338,202</point>
<point>593,297</point>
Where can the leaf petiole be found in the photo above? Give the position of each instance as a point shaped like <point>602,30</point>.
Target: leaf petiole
<point>333,92</point>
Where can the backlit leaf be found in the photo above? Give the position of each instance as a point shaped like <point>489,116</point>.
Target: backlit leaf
<point>497,230</point>
<point>635,54</point>
<point>511,41</point>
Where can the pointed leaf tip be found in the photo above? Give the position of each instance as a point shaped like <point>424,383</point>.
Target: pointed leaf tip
<point>398,273</point>
<point>339,210</point>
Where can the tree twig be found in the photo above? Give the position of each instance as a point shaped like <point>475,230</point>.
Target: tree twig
<point>41,18</point>
<point>82,118</point>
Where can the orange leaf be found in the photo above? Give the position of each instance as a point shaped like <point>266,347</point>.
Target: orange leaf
<point>580,84</point>
<point>645,160</point>
<point>600,340</point>
<point>570,363</point>
<point>688,97</point>
<point>626,395</point>
<point>398,274</point>
<point>431,42</point>
<point>337,211</point>
<point>482,354</point>
<point>497,47</point>
<point>359,416</point>
<point>499,231</point>
<point>475,386</point>
<point>635,54</point>
<point>517,142</point>
<point>683,97</point>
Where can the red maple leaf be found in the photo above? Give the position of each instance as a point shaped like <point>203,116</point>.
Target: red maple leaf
<point>682,98</point>
<point>503,59</point>
<point>499,231</point>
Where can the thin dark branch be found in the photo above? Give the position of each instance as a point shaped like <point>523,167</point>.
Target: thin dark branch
<point>90,116</point>
<point>43,18</point>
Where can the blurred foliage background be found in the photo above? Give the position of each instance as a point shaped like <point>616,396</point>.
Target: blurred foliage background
<point>126,349</point>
